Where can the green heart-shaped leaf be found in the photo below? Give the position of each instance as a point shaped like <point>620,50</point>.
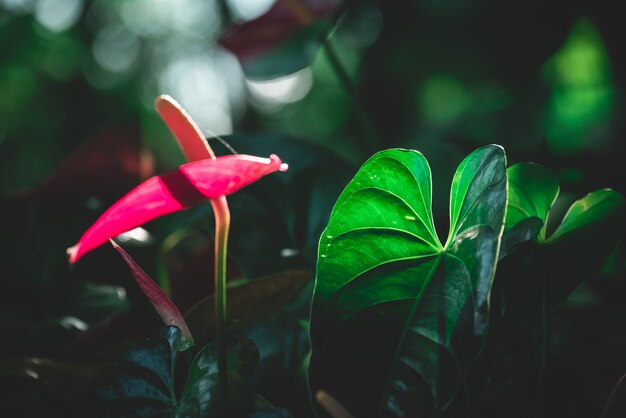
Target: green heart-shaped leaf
<point>532,192</point>
<point>388,292</point>
<point>596,207</point>
<point>578,247</point>
<point>141,383</point>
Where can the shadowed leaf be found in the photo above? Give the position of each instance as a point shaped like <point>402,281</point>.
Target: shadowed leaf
<point>141,383</point>
<point>248,301</point>
<point>390,295</point>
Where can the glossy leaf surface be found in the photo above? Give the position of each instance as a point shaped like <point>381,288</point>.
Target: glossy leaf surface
<point>582,243</point>
<point>187,186</point>
<point>141,383</point>
<point>533,189</point>
<point>532,192</point>
<point>588,211</point>
<point>199,396</point>
<point>546,287</point>
<point>381,268</point>
<point>166,309</point>
<point>575,251</point>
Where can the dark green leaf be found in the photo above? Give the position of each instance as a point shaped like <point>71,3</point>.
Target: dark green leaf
<point>532,192</point>
<point>588,211</point>
<point>583,242</point>
<point>381,268</point>
<point>248,301</point>
<point>68,379</point>
<point>199,395</point>
<point>264,409</point>
<point>524,231</point>
<point>141,383</point>
<point>295,53</point>
<point>577,249</point>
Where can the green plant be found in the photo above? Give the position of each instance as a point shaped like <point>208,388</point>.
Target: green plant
<point>517,312</point>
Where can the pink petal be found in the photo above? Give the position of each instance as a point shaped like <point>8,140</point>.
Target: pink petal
<point>191,140</point>
<point>166,309</point>
<point>188,186</point>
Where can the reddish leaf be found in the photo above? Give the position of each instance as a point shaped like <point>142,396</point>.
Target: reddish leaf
<point>174,191</point>
<point>108,163</point>
<point>189,137</point>
<point>168,312</point>
<point>255,37</point>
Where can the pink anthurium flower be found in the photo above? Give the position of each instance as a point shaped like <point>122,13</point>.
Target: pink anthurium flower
<point>204,177</point>
<point>166,309</point>
<point>187,186</point>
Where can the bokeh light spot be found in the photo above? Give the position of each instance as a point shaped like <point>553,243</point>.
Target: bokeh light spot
<point>116,49</point>
<point>442,98</point>
<point>288,89</point>
<point>583,95</point>
<point>58,15</point>
<point>249,9</point>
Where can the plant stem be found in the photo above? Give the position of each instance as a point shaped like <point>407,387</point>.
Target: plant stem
<point>222,225</point>
<point>369,132</point>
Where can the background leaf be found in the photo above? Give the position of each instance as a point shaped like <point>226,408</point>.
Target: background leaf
<point>533,190</point>
<point>199,396</point>
<point>583,242</point>
<point>142,382</point>
<point>248,302</point>
<point>548,292</point>
<point>282,40</point>
<point>572,253</point>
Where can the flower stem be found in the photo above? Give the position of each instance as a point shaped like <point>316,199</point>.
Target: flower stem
<point>222,225</point>
<point>369,132</point>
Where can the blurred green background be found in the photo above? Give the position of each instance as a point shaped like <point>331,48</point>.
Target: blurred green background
<point>544,79</point>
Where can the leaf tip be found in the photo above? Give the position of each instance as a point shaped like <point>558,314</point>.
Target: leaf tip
<point>189,136</point>
<point>72,253</point>
<point>163,100</point>
<point>275,160</point>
